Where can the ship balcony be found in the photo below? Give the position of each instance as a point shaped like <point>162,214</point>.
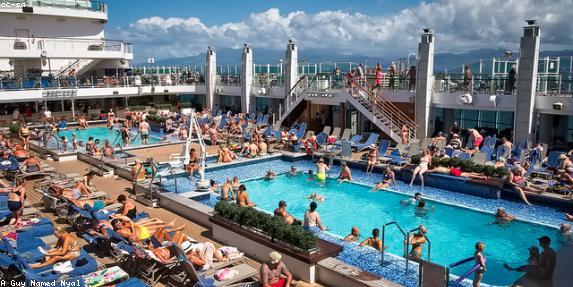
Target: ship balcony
<point>65,48</point>
<point>91,9</point>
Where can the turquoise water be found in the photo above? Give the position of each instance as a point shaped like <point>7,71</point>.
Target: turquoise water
<point>101,133</point>
<point>453,231</point>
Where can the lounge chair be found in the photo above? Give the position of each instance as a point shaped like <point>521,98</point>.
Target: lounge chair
<point>372,138</point>
<point>502,153</point>
<point>479,157</point>
<point>336,132</point>
<point>465,156</point>
<point>382,149</point>
<point>397,159</point>
<point>326,130</point>
<point>208,279</point>
<point>426,142</point>
<point>346,135</point>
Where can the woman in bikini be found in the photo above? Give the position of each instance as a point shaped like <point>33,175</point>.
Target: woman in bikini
<point>67,248</point>
<point>140,231</point>
<point>405,134</point>
<point>16,199</point>
<point>422,167</point>
<point>32,164</point>
<point>372,158</point>
<point>25,135</point>
<point>480,259</point>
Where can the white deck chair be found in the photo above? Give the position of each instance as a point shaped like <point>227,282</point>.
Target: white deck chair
<point>426,142</point>
<point>479,157</point>
<point>336,132</point>
<point>326,130</point>
<point>346,135</point>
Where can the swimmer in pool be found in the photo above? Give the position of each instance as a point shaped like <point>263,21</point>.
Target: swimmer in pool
<point>421,208</point>
<point>316,197</point>
<point>293,171</point>
<point>414,200</point>
<point>502,217</point>
<point>310,175</point>
<point>321,169</point>
<point>270,175</point>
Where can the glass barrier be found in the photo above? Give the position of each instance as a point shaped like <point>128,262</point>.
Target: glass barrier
<point>229,80</point>
<point>90,5</point>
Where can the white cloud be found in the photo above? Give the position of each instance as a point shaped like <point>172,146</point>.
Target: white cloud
<point>459,25</point>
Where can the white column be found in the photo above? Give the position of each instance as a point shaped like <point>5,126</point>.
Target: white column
<point>424,82</point>
<point>526,81</point>
<point>291,69</point>
<point>247,79</point>
<point>210,78</point>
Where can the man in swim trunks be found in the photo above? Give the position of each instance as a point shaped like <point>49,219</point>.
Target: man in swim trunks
<point>374,241</point>
<point>321,169</point>
<point>144,131</point>
<point>417,240</point>
<point>272,270</point>
<point>353,236</point>
<point>288,218</point>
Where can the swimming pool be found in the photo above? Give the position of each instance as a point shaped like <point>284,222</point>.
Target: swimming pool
<point>452,230</point>
<point>101,133</point>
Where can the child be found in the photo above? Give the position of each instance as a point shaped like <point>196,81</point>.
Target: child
<point>480,259</point>
<point>64,143</point>
<point>74,141</point>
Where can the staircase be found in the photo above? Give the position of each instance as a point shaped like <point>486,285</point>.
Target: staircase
<point>383,113</point>
<point>290,101</point>
<point>80,65</point>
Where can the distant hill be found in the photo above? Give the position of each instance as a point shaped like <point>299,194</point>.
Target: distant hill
<point>442,61</point>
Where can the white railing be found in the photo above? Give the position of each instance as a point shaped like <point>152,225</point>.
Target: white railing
<point>65,44</point>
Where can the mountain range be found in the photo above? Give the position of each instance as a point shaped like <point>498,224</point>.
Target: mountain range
<point>442,61</point>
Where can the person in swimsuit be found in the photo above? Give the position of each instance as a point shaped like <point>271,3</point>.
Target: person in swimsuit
<point>293,171</point>
<point>24,134</point>
<point>274,272</point>
<point>236,184</point>
<point>140,231</point>
<point>477,138</point>
<point>124,132</point>
<point>227,189</point>
<point>417,240</point>
<point>32,164</point>
<point>354,235</point>
<point>144,131</point>
<point>312,219</point>
<point>502,217</point>
<point>288,218</point>
<point>372,158</point>
<point>374,241</point>
<point>270,175</point>
<point>321,169</point>
<point>516,181</point>
<point>67,248</point>
<point>243,198</point>
<point>405,134</point>
<point>345,174</point>
<point>480,259</point>
<point>425,161</point>
<point>389,178</point>
<point>15,201</point>
<point>128,208</point>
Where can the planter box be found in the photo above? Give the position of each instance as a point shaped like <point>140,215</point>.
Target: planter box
<point>155,126</point>
<point>258,246</point>
<point>490,188</point>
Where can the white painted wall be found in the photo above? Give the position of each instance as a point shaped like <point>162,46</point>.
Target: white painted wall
<point>50,26</point>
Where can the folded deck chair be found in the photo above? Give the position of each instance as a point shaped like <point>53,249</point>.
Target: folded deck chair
<point>346,135</point>
<point>326,130</point>
<point>336,132</point>
<point>382,149</point>
<point>396,157</point>
<point>479,157</point>
<point>432,275</point>
<point>372,138</point>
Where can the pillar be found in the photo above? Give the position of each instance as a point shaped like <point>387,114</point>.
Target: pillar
<point>247,80</point>
<point>210,78</point>
<point>526,81</point>
<point>291,68</point>
<point>424,81</point>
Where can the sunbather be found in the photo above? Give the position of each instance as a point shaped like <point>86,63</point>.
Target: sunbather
<point>66,248</point>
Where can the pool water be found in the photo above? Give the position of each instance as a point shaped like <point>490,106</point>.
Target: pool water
<point>453,231</point>
<point>101,133</point>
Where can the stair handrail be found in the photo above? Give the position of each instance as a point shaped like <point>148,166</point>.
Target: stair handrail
<point>383,243</point>
<point>385,107</point>
<point>282,106</point>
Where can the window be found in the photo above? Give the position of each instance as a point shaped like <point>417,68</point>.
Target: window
<point>484,119</point>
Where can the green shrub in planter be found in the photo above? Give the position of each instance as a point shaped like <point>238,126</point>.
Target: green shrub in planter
<point>478,168</point>
<point>163,106</point>
<point>154,118</point>
<point>152,112</point>
<point>273,226</point>
<point>94,116</point>
<point>137,108</point>
<point>14,128</point>
<point>489,170</point>
<point>415,159</point>
<point>500,172</point>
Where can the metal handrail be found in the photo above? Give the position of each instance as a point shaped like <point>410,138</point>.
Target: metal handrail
<point>408,243</point>
<point>282,107</point>
<point>383,243</point>
<point>386,108</point>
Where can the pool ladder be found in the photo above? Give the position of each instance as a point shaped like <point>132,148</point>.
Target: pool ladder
<point>406,242</point>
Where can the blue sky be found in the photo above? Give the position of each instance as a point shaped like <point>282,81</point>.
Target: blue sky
<point>215,12</point>
<point>380,28</point>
